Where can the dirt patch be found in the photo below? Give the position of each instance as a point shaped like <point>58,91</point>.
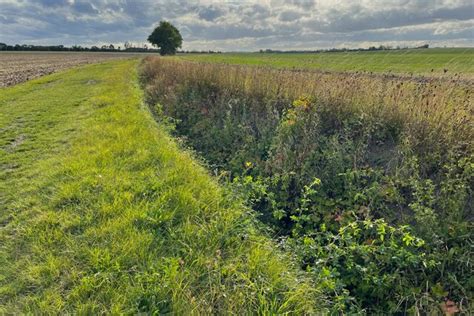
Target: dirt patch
<point>91,82</point>
<point>15,143</point>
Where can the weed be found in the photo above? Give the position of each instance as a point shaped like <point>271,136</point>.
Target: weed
<point>366,179</point>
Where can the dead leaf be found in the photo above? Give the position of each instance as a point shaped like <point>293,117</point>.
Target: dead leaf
<point>449,308</point>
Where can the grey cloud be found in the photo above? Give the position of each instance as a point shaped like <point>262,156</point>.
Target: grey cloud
<point>303,4</point>
<point>6,19</point>
<point>290,15</point>
<point>51,3</point>
<point>210,13</point>
<point>84,8</point>
<point>357,18</point>
<point>244,24</point>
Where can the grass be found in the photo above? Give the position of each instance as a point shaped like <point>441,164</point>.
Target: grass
<point>425,62</point>
<point>102,212</point>
<point>436,110</point>
<point>320,154</point>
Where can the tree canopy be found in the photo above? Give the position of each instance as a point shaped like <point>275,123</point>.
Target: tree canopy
<point>166,37</point>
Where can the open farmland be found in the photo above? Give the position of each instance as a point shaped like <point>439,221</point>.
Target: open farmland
<point>169,186</point>
<point>16,67</point>
<point>297,157</point>
<point>430,62</point>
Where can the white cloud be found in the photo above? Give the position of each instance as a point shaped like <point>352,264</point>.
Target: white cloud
<point>241,25</point>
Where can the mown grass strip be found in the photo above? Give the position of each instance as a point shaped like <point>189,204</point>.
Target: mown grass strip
<point>100,211</point>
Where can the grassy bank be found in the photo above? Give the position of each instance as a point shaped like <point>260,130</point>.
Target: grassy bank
<point>432,62</point>
<point>101,212</point>
<point>368,180</point>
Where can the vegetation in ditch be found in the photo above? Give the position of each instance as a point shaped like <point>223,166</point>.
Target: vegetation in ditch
<point>366,180</point>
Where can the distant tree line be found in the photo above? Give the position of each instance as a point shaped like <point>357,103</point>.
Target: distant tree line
<point>199,52</point>
<point>335,50</point>
<point>128,47</point>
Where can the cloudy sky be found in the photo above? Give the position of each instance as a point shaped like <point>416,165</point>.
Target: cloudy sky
<point>242,25</point>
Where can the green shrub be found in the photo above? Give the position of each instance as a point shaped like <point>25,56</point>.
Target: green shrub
<point>375,207</point>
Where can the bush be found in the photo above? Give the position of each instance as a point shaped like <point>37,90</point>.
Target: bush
<point>373,200</point>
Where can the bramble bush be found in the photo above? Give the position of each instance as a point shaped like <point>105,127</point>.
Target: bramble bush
<point>380,224</point>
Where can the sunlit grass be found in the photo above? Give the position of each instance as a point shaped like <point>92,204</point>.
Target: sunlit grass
<point>101,211</point>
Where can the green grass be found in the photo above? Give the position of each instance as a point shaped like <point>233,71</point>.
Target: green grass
<point>101,211</point>
<point>456,60</point>
<point>321,155</point>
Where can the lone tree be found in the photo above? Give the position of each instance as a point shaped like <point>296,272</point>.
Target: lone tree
<point>166,37</point>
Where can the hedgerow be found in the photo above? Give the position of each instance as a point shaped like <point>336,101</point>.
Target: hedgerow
<point>369,187</point>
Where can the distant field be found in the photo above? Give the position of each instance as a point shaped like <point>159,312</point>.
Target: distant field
<point>427,61</point>
<point>17,67</point>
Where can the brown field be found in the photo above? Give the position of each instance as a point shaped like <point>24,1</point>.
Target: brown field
<point>17,67</point>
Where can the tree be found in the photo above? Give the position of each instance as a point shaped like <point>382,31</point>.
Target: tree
<point>166,37</point>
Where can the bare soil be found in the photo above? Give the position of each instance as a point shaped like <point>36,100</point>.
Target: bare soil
<point>17,67</point>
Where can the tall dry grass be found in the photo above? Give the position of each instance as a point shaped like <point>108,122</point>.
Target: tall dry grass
<point>436,112</point>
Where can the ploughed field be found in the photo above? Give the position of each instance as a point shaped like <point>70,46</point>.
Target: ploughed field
<point>17,67</point>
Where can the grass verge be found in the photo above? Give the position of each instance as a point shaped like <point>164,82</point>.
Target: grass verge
<point>101,211</point>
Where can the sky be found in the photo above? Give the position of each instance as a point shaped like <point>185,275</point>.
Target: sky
<point>246,25</point>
